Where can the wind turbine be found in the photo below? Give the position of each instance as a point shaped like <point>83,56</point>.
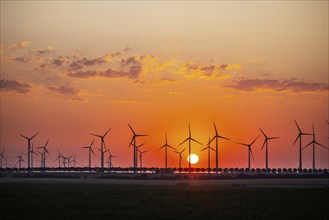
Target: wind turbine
<point>266,143</point>
<point>165,146</point>
<point>28,147</point>
<point>2,156</point>
<point>20,159</point>
<point>133,143</point>
<point>314,142</point>
<point>59,158</point>
<point>217,136</point>
<point>90,151</point>
<point>180,157</point>
<point>74,161</point>
<point>32,152</point>
<point>189,139</point>
<point>102,146</point>
<point>109,160</point>
<point>209,148</point>
<point>44,153</point>
<point>249,150</point>
<point>141,157</point>
<point>299,136</point>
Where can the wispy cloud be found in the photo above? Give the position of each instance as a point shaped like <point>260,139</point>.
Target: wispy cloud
<point>21,45</point>
<point>83,74</point>
<point>293,85</point>
<point>69,90</point>
<point>43,51</point>
<point>20,59</point>
<point>14,86</point>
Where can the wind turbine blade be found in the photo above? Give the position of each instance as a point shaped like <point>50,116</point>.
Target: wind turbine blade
<point>252,155</point>
<point>161,147</point>
<point>215,129</point>
<point>223,138</point>
<point>166,137</point>
<point>23,136</point>
<point>307,145</point>
<point>171,147</point>
<point>183,150</point>
<point>131,142</point>
<point>212,149</point>
<point>263,144</point>
<point>254,140</point>
<point>297,138</point>
<point>203,149</point>
<point>131,129</point>
<point>300,131</point>
<point>145,152</point>
<point>183,142</point>
<point>140,145</point>
<point>46,143</point>
<point>241,143</point>
<point>213,138</point>
<point>196,141</point>
<point>107,132</point>
<point>92,143</point>
<point>263,132</point>
<point>141,135</point>
<point>321,145</point>
<point>327,121</point>
<point>96,135</point>
<point>270,138</point>
<point>34,136</point>
<point>313,128</point>
<point>85,147</point>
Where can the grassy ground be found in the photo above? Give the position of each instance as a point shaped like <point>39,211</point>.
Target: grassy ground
<point>101,201</point>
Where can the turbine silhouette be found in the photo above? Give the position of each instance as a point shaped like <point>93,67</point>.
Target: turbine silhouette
<point>180,157</point>
<point>209,148</point>
<point>314,142</point>
<point>133,143</point>
<point>249,150</point>
<point>266,143</point>
<point>102,150</point>
<point>299,136</point>
<point>165,146</point>
<point>29,148</point>
<point>90,150</point>
<point>217,136</point>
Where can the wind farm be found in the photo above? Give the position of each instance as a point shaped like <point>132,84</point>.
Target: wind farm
<point>164,110</point>
<point>69,163</point>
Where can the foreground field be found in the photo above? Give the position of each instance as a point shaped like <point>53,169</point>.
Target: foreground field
<point>182,201</point>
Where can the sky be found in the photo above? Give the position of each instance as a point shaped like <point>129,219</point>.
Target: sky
<point>71,68</point>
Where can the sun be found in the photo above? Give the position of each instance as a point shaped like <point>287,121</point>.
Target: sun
<point>194,158</point>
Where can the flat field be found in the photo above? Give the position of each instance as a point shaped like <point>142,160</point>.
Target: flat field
<point>78,200</point>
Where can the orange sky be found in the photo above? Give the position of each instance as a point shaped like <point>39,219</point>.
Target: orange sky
<point>73,68</point>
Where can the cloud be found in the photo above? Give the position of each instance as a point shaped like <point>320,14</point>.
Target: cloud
<point>59,62</point>
<point>293,85</point>
<point>83,74</point>
<point>194,70</point>
<point>68,90</point>
<point>132,74</point>
<point>43,51</point>
<point>80,63</point>
<point>20,59</point>
<point>15,86</point>
<point>21,45</point>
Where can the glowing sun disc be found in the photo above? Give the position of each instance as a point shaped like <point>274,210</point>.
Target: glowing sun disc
<point>194,158</point>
